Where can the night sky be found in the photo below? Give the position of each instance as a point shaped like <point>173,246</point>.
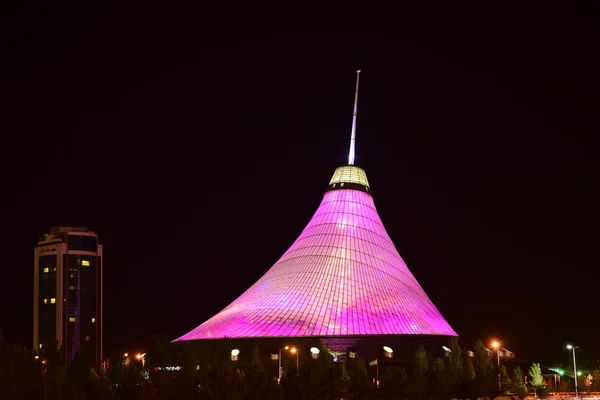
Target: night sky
<point>198,143</point>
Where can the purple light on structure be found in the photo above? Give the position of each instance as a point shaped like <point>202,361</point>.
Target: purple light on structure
<point>342,277</point>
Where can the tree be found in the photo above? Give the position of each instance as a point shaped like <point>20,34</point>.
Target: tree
<point>504,381</point>
<point>441,378</point>
<point>418,384</point>
<point>359,386</point>
<point>317,379</point>
<point>260,384</point>
<point>485,384</point>
<point>77,377</point>
<point>454,368</point>
<point>595,381</point>
<point>466,387</point>
<point>537,380</point>
<point>518,383</point>
<point>15,378</point>
<point>393,383</point>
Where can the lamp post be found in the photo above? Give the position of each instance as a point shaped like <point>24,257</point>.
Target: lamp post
<point>294,351</point>
<point>571,347</point>
<point>279,359</point>
<point>142,359</point>
<point>496,345</point>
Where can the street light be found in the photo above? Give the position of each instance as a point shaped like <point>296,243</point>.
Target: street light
<point>141,357</point>
<point>571,347</point>
<point>496,345</point>
<point>294,351</point>
<point>279,359</point>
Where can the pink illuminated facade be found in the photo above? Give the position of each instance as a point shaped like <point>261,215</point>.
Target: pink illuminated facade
<point>342,277</point>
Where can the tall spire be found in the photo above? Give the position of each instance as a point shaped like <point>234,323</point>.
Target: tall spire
<point>353,135</point>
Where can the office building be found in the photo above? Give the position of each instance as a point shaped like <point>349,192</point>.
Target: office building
<point>67,290</point>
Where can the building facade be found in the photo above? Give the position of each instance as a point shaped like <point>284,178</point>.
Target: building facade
<point>67,306</point>
<point>342,283</point>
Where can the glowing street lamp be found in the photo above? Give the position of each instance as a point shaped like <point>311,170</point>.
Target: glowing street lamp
<point>496,345</point>
<point>294,351</point>
<point>142,358</point>
<point>571,347</point>
<point>279,358</point>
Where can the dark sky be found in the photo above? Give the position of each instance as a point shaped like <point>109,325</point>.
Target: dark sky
<point>198,142</point>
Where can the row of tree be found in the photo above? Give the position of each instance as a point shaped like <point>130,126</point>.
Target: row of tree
<point>456,375</point>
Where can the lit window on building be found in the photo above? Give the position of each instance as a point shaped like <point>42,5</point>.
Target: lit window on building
<point>71,287</point>
<point>45,301</point>
<point>52,300</point>
<point>40,345</point>
<point>72,276</point>
<point>87,338</point>
<point>71,319</point>
<point>53,269</point>
<point>93,320</point>
<point>46,270</point>
<point>85,263</point>
<point>235,353</point>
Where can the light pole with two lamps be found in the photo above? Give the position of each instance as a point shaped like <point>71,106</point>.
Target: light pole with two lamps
<point>294,351</point>
<point>571,347</point>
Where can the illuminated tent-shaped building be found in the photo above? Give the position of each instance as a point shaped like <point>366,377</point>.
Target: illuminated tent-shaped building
<point>342,282</point>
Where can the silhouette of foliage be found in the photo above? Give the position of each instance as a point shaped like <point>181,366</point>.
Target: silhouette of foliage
<point>505,384</point>
<point>518,383</point>
<point>485,383</point>
<point>453,375</point>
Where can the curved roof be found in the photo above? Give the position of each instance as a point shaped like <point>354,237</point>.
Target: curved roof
<point>342,277</point>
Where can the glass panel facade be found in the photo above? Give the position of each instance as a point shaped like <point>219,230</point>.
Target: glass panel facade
<point>81,306</point>
<point>342,276</point>
<point>82,243</point>
<point>47,309</point>
<point>349,174</point>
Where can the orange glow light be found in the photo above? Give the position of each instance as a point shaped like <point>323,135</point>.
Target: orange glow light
<point>495,344</point>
